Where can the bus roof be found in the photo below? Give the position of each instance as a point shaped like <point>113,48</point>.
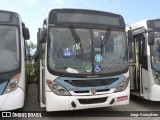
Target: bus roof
<point>11,11</point>
<point>9,17</point>
<point>140,24</point>
<point>82,10</point>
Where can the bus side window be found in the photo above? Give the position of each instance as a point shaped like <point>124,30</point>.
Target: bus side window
<point>43,54</point>
<point>132,57</point>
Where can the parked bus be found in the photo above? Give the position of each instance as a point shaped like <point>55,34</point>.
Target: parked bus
<point>144,58</point>
<point>82,60</point>
<point>13,34</point>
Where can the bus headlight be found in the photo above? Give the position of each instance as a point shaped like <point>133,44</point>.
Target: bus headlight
<point>156,77</point>
<point>13,84</point>
<point>122,86</point>
<point>57,89</point>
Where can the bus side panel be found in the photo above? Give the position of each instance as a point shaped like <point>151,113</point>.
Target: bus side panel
<point>155,93</point>
<point>23,73</point>
<point>132,74</point>
<point>42,85</point>
<point>145,81</point>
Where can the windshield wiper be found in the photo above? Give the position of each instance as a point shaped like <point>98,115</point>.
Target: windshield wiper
<point>76,39</point>
<point>105,39</point>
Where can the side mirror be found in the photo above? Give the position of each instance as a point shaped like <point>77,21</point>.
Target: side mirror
<point>151,38</point>
<point>41,35</point>
<point>130,36</point>
<point>41,51</point>
<point>159,41</point>
<point>26,34</point>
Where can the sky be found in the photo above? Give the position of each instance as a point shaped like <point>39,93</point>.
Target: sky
<point>33,12</point>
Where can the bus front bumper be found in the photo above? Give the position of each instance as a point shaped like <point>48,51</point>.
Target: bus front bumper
<point>12,100</point>
<point>63,103</point>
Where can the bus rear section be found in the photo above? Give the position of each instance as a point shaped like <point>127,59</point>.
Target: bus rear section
<point>12,60</point>
<point>83,62</point>
<point>144,57</point>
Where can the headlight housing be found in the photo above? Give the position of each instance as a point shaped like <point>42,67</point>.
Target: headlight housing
<point>122,86</point>
<point>13,84</point>
<point>57,89</point>
<point>156,77</point>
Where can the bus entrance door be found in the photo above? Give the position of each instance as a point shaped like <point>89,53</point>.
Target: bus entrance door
<point>139,71</point>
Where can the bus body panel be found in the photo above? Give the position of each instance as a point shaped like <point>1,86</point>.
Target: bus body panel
<point>13,100</point>
<point>145,74</point>
<point>145,82</point>
<point>42,86</point>
<point>154,93</point>
<point>22,81</point>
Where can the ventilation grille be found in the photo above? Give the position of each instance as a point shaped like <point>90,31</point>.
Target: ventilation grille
<point>92,101</point>
<point>91,83</point>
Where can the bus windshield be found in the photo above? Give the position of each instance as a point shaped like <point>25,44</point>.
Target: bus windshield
<point>95,52</point>
<point>155,50</point>
<point>9,48</point>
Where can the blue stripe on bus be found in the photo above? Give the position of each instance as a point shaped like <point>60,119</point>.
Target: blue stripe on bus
<point>2,87</point>
<point>69,87</point>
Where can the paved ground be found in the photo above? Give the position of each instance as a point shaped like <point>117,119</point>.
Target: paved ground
<point>136,104</point>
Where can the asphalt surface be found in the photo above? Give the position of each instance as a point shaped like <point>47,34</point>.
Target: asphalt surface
<point>136,104</point>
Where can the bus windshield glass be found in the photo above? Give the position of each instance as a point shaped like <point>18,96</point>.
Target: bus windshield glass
<point>9,48</point>
<point>155,51</point>
<point>87,51</point>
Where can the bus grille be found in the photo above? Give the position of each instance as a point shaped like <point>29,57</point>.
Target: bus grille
<point>92,100</point>
<point>87,91</point>
<point>91,83</point>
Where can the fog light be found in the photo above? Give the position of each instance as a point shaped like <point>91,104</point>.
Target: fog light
<point>112,101</point>
<point>73,104</point>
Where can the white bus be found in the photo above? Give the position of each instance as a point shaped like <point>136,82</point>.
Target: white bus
<point>82,60</point>
<point>144,57</point>
<point>12,60</point>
